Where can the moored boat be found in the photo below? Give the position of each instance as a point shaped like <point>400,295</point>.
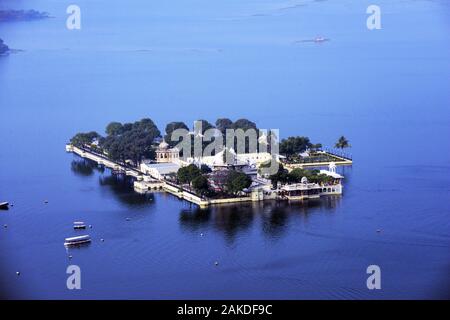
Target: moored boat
<point>79,225</point>
<point>320,39</point>
<point>4,205</point>
<point>77,240</point>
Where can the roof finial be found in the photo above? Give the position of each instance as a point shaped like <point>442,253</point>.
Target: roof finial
<point>332,167</point>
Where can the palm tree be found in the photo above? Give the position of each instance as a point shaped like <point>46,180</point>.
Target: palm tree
<point>342,143</point>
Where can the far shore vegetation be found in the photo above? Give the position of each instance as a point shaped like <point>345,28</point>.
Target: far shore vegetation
<point>22,15</point>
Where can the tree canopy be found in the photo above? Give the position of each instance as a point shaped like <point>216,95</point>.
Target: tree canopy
<point>170,128</point>
<point>131,140</point>
<point>114,128</point>
<point>313,176</point>
<point>294,145</point>
<point>188,173</point>
<point>205,126</point>
<point>243,124</point>
<point>200,184</point>
<point>223,124</point>
<point>237,181</point>
<point>81,139</point>
<point>282,176</point>
<point>296,175</point>
<point>342,143</point>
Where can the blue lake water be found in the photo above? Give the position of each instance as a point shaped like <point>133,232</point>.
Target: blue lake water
<point>386,90</point>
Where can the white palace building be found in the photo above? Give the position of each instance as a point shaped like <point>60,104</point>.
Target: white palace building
<point>168,162</point>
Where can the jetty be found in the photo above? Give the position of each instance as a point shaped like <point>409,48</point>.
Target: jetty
<point>145,182</point>
<point>101,160</point>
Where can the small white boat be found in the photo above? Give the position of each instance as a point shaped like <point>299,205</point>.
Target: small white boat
<point>77,240</point>
<point>79,225</point>
<point>4,205</point>
<point>320,39</point>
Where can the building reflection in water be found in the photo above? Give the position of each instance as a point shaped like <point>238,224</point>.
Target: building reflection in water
<point>85,167</point>
<point>120,185</point>
<point>273,216</point>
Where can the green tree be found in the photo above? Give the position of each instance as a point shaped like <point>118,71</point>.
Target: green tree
<point>313,176</point>
<point>82,139</point>
<point>147,125</point>
<point>244,124</point>
<point>321,178</point>
<point>223,124</point>
<point>315,147</point>
<point>114,128</point>
<point>134,141</point>
<point>205,126</point>
<point>237,181</point>
<point>200,184</point>
<point>297,174</point>
<point>170,128</point>
<point>342,143</point>
<point>294,145</point>
<point>188,173</point>
<point>282,176</point>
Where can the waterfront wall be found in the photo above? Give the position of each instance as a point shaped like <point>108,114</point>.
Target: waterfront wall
<point>145,183</point>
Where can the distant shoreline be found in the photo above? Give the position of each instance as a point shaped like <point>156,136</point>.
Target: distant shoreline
<point>22,15</point>
<point>14,16</point>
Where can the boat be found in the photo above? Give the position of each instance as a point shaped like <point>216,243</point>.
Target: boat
<point>77,240</point>
<point>320,39</point>
<point>4,205</point>
<point>79,225</point>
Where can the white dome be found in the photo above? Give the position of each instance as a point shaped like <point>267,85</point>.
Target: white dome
<point>163,145</point>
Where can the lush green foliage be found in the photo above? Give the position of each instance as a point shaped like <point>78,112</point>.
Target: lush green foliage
<point>237,181</point>
<point>188,174</point>
<point>296,175</point>
<point>170,128</point>
<point>223,124</point>
<point>200,184</point>
<point>83,139</point>
<point>294,145</point>
<point>243,124</point>
<point>114,129</point>
<point>313,176</point>
<point>131,140</point>
<point>282,176</point>
<point>315,146</point>
<point>342,143</point>
<point>205,125</point>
